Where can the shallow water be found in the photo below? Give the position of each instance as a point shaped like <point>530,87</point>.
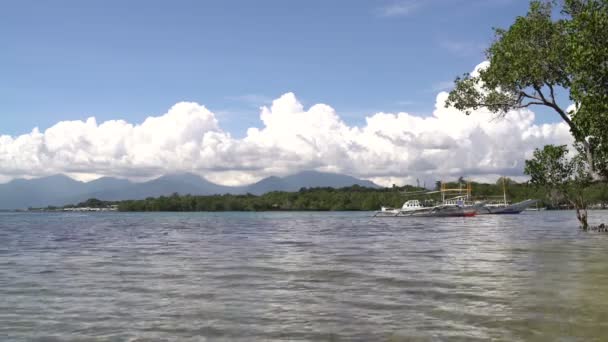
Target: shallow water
<point>301,276</point>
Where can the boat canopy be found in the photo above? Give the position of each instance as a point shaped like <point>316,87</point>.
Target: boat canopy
<point>411,204</point>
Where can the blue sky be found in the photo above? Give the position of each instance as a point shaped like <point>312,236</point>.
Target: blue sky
<point>64,60</point>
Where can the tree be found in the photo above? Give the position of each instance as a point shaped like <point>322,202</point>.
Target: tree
<point>505,181</point>
<point>552,169</point>
<point>438,185</point>
<point>539,57</point>
<point>587,42</point>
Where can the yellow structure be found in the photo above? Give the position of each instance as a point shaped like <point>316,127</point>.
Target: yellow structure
<point>468,190</point>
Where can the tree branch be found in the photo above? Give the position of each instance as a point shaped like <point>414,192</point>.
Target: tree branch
<point>542,96</point>
<point>559,110</point>
<point>552,93</point>
<point>578,135</point>
<point>531,103</point>
<point>566,118</point>
<point>524,94</point>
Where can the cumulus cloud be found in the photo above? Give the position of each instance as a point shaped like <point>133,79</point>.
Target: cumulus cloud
<point>388,148</point>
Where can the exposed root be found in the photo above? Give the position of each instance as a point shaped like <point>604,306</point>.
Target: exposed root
<point>601,228</point>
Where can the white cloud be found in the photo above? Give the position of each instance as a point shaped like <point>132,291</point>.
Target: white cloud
<point>388,148</point>
<point>398,8</point>
<point>462,48</point>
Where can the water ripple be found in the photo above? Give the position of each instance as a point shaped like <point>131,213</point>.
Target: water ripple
<point>300,276</point>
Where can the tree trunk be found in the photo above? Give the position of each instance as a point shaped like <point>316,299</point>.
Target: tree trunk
<point>590,159</point>
<point>581,215</point>
<point>581,211</point>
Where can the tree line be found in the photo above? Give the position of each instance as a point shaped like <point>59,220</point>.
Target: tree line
<point>355,198</point>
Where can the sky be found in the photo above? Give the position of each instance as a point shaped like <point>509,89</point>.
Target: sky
<point>251,75</point>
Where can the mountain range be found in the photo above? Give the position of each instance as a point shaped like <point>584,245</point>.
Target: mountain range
<point>60,189</point>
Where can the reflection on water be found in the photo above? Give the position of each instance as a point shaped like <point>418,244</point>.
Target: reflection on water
<point>301,276</point>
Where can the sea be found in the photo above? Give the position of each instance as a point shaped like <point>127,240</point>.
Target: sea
<point>301,276</point>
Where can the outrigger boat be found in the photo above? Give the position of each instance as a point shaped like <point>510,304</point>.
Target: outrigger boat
<point>504,207</point>
<point>459,206</point>
<point>452,207</point>
<point>414,208</point>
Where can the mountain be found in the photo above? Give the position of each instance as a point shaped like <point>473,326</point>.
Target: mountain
<point>22,193</point>
<point>267,184</point>
<point>182,183</point>
<point>60,190</point>
<point>306,179</point>
<point>85,191</point>
<point>107,184</point>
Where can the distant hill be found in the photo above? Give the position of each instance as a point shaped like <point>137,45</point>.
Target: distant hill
<point>306,179</point>
<point>184,183</point>
<point>21,193</point>
<point>60,189</point>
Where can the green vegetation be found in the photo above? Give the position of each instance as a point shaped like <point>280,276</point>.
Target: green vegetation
<point>324,199</point>
<point>92,203</point>
<point>534,61</point>
<point>566,177</point>
<point>350,198</point>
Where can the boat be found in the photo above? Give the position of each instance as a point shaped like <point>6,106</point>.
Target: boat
<point>536,208</point>
<point>504,207</point>
<point>386,211</point>
<point>453,207</point>
<point>458,206</point>
<point>408,208</point>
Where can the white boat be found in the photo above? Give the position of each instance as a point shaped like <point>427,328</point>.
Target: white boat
<point>408,207</point>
